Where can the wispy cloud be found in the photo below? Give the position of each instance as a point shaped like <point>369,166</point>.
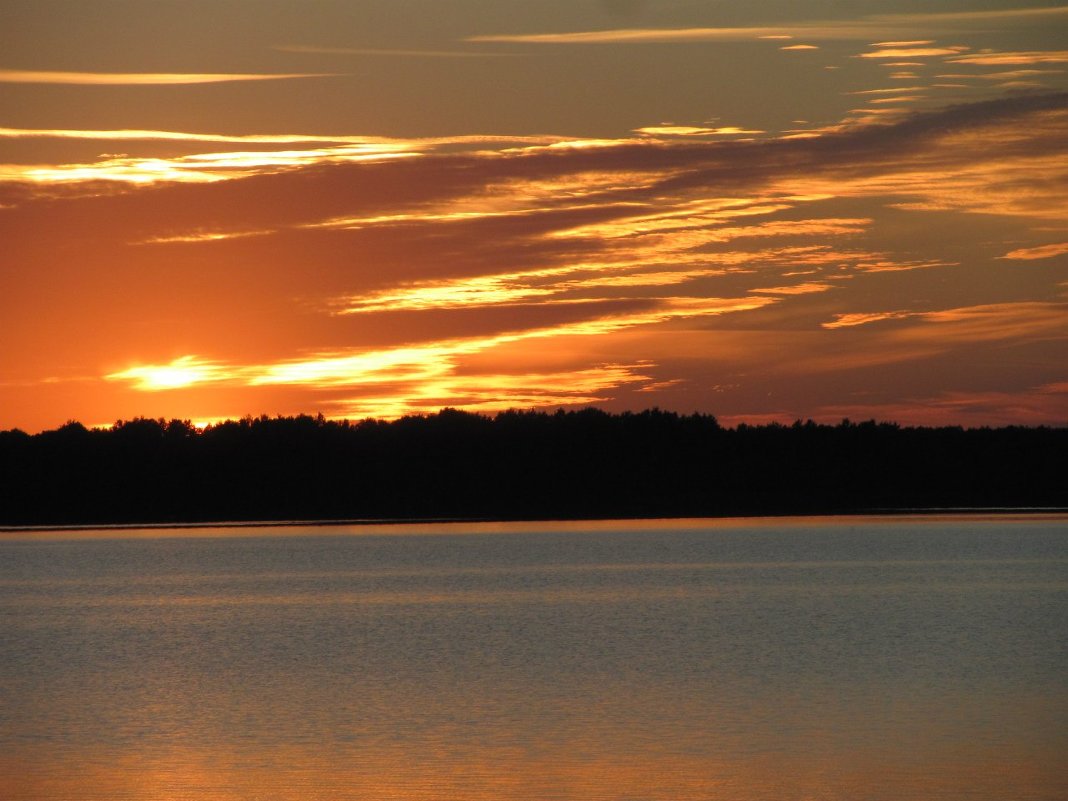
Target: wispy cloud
<point>1013,58</point>
<point>426,376</point>
<point>906,43</point>
<point>1040,252</point>
<point>123,135</point>
<point>913,52</point>
<point>496,392</point>
<point>479,276</point>
<point>366,51</point>
<point>668,35</point>
<point>120,135</point>
<point>201,167</point>
<point>686,130</point>
<point>146,78</point>
<point>1004,75</point>
<point>850,319</point>
<point>905,29</point>
<point>995,15</point>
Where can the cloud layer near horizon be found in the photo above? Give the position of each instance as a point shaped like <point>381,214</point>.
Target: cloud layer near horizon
<point>141,78</point>
<point>764,279</point>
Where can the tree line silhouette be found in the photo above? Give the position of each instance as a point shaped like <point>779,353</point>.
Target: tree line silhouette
<point>515,465</point>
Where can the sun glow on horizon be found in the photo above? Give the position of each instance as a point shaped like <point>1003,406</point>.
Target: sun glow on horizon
<point>674,211</point>
<point>183,372</point>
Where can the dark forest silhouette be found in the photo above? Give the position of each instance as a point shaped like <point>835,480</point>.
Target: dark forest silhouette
<point>574,464</point>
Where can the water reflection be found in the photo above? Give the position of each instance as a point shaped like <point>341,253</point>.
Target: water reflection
<point>865,660</point>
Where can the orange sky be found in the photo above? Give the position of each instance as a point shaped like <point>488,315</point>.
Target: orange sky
<point>372,209</point>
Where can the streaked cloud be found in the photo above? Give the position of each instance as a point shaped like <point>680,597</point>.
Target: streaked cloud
<point>1005,75</point>
<point>907,43</point>
<point>912,52</point>
<point>1013,58</point>
<point>892,91</point>
<point>145,78</point>
<point>687,130</point>
<point>121,135</point>
<point>1040,252</point>
<point>200,236</point>
<point>496,392</point>
<point>989,323</point>
<point>200,167</point>
<point>807,288</point>
<point>905,28</point>
<point>850,319</point>
<point>364,51</point>
<point>993,15</point>
<point>528,274</point>
<point>429,375</point>
<point>668,35</point>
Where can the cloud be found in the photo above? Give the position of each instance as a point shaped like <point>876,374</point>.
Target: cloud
<point>406,281</point>
<point>1013,58</point>
<point>990,323</point>
<point>998,15</point>
<point>427,376</point>
<point>806,288</point>
<point>363,51</point>
<point>123,135</point>
<point>1040,252</point>
<point>200,167</point>
<point>180,373</point>
<point>850,319</point>
<point>496,392</point>
<point>879,26</point>
<point>146,78</point>
<point>894,91</point>
<point>669,35</point>
<point>913,52</point>
<point>686,130</point>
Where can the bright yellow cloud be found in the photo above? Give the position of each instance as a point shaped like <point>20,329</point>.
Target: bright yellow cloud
<point>200,167</point>
<point>181,373</point>
<point>686,130</point>
<point>913,52</point>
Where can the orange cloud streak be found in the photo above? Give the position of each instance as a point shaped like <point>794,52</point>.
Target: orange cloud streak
<point>1028,57</point>
<point>1040,252</point>
<point>145,78</point>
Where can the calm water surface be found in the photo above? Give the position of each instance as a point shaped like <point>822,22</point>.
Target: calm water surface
<point>851,658</point>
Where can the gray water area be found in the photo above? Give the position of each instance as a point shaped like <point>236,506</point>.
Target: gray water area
<point>822,658</point>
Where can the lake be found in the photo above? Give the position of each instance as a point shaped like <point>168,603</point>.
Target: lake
<point>808,658</point>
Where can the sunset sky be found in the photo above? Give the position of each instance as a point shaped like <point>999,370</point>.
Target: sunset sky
<point>760,210</point>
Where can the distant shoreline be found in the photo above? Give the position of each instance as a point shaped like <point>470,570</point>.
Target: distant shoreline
<point>953,512</point>
<point>516,466</point>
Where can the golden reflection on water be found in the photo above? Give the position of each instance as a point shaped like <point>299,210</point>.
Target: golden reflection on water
<point>545,772</point>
